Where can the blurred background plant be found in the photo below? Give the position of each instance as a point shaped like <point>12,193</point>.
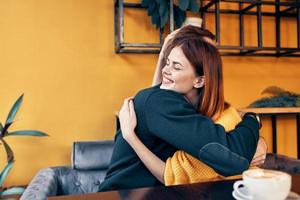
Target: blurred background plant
<point>10,155</point>
<point>278,97</point>
<point>159,10</point>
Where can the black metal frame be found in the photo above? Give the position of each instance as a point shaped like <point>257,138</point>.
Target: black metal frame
<point>120,45</point>
<point>274,117</point>
<point>282,10</point>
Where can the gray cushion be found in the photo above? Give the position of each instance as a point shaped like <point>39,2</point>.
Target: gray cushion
<point>92,155</point>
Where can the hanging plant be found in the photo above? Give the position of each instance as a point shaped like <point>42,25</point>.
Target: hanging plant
<point>159,11</point>
<point>10,155</point>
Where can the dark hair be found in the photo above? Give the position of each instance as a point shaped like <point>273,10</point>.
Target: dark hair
<point>196,44</point>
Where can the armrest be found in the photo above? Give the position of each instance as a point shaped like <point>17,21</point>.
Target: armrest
<point>94,155</point>
<point>43,185</point>
<point>281,163</point>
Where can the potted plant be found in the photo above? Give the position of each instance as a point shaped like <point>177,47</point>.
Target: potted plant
<point>159,10</point>
<point>278,97</point>
<point>4,132</point>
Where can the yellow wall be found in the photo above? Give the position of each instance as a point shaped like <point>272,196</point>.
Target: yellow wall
<point>60,54</point>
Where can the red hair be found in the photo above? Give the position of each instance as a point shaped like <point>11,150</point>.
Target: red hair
<point>196,44</point>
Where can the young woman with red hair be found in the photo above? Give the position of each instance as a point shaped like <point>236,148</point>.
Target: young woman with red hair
<point>178,114</point>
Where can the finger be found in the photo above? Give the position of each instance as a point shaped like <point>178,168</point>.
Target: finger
<point>257,163</point>
<point>258,160</point>
<point>121,112</point>
<point>172,34</point>
<point>124,103</point>
<point>129,98</point>
<point>131,108</point>
<point>124,107</point>
<point>261,157</point>
<point>261,161</point>
<point>263,140</point>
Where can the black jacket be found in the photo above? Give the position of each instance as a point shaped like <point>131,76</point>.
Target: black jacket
<point>166,123</point>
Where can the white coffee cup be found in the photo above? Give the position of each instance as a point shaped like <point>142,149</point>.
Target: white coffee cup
<point>264,184</point>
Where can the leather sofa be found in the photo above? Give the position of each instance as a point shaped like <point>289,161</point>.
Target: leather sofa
<point>90,162</point>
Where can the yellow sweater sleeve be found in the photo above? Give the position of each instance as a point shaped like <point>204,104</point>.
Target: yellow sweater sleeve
<point>183,168</point>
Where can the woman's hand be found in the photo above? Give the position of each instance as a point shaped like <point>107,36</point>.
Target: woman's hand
<point>167,40</point>
<point>241,113</point>
<point>261,152</point>
<point>157,78</point>
<point>128,123</point>
<point>128,120</point>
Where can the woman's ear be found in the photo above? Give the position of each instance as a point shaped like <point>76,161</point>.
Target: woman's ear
<point>199,83</point>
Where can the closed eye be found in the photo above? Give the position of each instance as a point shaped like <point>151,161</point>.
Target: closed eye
<point>177,67</point>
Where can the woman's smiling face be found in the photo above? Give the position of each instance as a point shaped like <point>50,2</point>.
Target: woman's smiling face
<point>178,74</point>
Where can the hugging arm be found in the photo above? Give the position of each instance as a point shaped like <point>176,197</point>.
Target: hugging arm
<point>155,165</point>
<point>175,121</point>
<point>128,123</point>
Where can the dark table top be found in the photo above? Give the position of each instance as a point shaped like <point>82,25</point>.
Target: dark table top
<point>210,190</point>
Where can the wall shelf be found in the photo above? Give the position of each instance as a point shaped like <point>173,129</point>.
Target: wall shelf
<point>282,9</point>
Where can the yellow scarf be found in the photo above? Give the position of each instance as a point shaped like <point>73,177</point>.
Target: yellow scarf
<point>183,168</point>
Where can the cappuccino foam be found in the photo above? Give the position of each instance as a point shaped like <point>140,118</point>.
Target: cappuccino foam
<point>264,174</point>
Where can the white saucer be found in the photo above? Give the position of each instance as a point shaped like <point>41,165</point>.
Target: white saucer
<point>244,191</point>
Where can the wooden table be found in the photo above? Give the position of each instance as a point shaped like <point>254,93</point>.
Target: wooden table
<point>212,190</point>
<point>274,113</point>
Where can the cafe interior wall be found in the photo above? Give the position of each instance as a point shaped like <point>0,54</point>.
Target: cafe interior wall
<point>60,54</point>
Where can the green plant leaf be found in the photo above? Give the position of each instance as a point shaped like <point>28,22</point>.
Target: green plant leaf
<point>163,12</point>
<point>183,4</point>
<point>155,18</point>
<point>13,190</point>
<point>9,152</point>
<point>194,7</point>
<point>27,133</point>
<point>298,102</point>
<point>163,7</point>
<point>152,8</point>
<point>14,110</point>
<point>146,3</point>
<point>5,172</point>
<point>274,90</point>
<point>179,16</point>
<point>1,129</point>
<point>163,20</point>
<point>5,128</point>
